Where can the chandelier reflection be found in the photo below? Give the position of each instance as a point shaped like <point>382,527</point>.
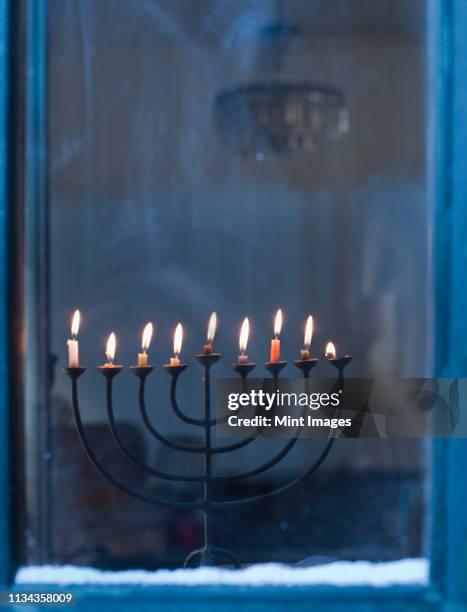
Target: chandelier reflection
<point>278,113</point>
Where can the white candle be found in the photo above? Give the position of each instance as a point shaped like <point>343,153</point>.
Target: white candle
<point>178,338</point>
<point>73,346</point>
<point>330,351</point>
<point>305,352</point>
<point>146,341</point>
<point>142,359</point>
<point>208,348</point>
<point>243,341</point>
<point>110,350</point>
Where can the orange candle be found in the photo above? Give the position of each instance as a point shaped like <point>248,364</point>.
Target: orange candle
<point>275,350</point>
<point>275,342</point>
<point>178,338</point>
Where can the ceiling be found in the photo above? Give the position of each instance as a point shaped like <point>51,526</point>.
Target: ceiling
<point>229,22</point>
<point>208,17</point>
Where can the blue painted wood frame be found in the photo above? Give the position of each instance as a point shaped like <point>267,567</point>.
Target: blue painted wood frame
<point>448,529</point>
<point>5,543</point>
<point>451,283</point>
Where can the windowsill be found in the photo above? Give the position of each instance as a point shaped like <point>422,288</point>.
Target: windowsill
<point>406,572</point>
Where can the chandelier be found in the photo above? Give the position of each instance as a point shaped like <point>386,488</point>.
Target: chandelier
<point>276,113</point>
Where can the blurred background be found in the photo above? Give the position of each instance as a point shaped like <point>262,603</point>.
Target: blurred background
<point>237,157</point>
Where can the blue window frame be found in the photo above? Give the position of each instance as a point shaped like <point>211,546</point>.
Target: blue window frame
<point>5,556</point>
<point>448,531</point>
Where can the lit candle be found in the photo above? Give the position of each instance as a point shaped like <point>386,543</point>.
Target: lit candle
<point>243,340</point>
<point>212,326</point>
<point>305,352</point>
<point>338,362</point>
<point>110,350</point>
<point>178,337</point>
<point>330,351</point>
<point>73,347</point>
<point>145,342</point>
<point>275,342</point>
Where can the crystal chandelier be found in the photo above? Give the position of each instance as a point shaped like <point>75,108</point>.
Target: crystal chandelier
<point>275,113</point>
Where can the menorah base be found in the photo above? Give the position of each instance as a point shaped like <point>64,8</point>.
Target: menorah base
<point>208,555</point>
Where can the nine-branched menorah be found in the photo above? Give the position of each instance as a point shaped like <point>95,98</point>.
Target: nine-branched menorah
<point>207,504</point>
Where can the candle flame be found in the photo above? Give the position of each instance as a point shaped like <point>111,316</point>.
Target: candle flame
<point>330,351</point>
<point>111,347</point>
<point>278,322</point>
<point>212,326</point>
<point>178,338</point>
<point>308,331</point>
<point>244,333</point>
<point>147,336</point>
<point>75,323</point>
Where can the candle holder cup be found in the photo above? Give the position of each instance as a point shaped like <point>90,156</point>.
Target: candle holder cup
<point>306,365</point>
<point>207,502</point>
<point>109,371</point>
<point>75,373</point>
<point>243,369</point>
<point>142,371</point>
<point>339,363</point>
<point>275,367</point>
<point>208,359</point>
<point>175,370</point>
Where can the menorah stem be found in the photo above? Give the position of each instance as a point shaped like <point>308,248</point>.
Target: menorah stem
<point>207,461</point>
<point>207,555</point>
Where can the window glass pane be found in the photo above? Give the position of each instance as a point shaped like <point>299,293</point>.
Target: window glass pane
<point>176,188</point>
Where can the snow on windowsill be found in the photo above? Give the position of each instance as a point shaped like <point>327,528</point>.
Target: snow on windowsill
<point>340,573</point>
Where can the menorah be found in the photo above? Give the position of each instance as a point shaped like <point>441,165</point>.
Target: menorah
<point>208,505</point>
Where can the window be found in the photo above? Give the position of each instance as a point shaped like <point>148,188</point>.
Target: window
<point>157,209</point>
<point>157,213</point>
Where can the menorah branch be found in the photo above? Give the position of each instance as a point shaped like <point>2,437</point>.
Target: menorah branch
<point>120,445</point>
<point>74,374</point>
<point>175,372</point>
<point>218,450</point>
<point>269,464</point>
<point>243,371</point>
<point>151,428</point>
<point>282,489</point>
<point>227,448</point>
